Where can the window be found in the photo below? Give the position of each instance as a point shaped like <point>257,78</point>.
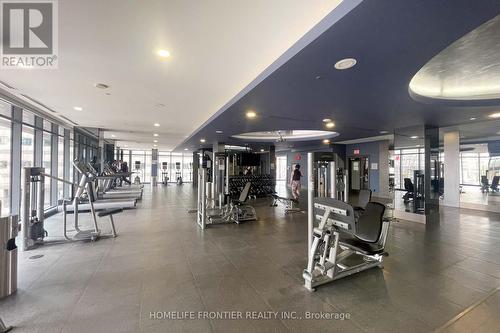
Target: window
<point>46,163</point>
<point>187,168</point>
<point>163,157</point>
<point>60,167</point>
<point>5,157</point>
<point>175,167</point>
<point>138,165</point>
<point>28,147</point>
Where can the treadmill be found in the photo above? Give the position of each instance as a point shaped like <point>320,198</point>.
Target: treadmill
<point>106,180</point>
<point>98,204</point>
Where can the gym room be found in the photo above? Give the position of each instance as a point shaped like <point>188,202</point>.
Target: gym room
<point>250,166</point>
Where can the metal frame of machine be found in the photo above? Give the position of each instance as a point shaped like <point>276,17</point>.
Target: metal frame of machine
<point>32,212</point>
<point>330,249</point>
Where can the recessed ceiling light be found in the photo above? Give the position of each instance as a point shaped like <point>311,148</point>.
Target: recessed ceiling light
<point>345,63</point>
<point>78,108</point>
<point>101,86</point>
<point>155,134</point>
<point>414,137</point>
<point>326,141</point>
<point>327,120</point>
<point>113,136</point>
<point>164,53</point>
<point>155,145</point>
<point>262,150</point>
<point>203,140</point>
<point>473,118</point>
<point>330,125</point>
<point>186,149</point>
<point>384,132</point>
<point>155,141</point>
<point>156,125</point>
<point>218,132</point>
<point>495,115</point>
<point>251,114</point>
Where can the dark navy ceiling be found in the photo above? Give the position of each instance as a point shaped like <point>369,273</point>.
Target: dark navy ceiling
<point>391,40</point>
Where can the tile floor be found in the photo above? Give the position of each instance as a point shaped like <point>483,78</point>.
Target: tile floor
<point>161,262</point>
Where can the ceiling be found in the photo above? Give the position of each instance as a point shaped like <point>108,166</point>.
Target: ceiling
<point>217,48</point>
<point>468,69</point>
<point>391,41</point>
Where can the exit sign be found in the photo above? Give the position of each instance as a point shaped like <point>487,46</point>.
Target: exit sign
<point>356,151</point>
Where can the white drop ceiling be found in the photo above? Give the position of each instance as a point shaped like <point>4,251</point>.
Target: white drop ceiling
<point>217,47</point>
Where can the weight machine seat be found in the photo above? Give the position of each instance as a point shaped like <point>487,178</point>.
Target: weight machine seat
<point>368,231</point>
<point>277,197</point>
<point>494,183</point>
<point>243,195</point>
<point>110,212</point>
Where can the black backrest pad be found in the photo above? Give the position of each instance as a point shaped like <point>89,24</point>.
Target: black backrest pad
<point>369,225</point>
<point>244,192</point>
<point>364,198</point>
<point>494,183</point>
<point>408,185</point>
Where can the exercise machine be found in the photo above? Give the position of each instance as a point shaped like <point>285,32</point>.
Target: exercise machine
<point>138,171</point>
<point>342,244</point>
<point>494,184</point>
<point>104,183</point>
<point>178,173</point>
<point>4,328</point>
<point>164,173</point>
<point>290,204</point>
<point>32,212</point>
<point>235,211</point>
<point>485,184</point>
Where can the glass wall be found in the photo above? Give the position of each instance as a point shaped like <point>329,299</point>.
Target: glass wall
<point>46,163</point>
<point>406,161</point>
<point>60,165</point>
<point>5,160</point>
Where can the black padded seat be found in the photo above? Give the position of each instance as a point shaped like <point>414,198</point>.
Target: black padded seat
<point>110,212</point>
<point>360,246</point>
<point>275,196</point>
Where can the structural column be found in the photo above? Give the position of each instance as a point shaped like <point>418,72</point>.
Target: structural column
<point>154,167</point>
<point>196,166</point>
<point>68,166</point>
<point>54,150</point>
<point>38,141</point>
<point>431,148</point>
<point>16,167</point>
<point>383,169</point>
<point>452,169</point>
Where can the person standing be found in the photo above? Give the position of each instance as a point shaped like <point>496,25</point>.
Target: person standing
<point>295,182</point>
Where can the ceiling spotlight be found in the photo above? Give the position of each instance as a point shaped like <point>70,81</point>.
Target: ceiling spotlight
<point>330,125</point>
<point>251,114</point>
<point>113,136</point>
<point>164,53</point>
<point>345,63</point>
<point>78,108</point>
<point>186,149</point>
<point>101,86</point>
<point>473,118</point>
<point>495,115</point>
<point>156,125</point>
<point>155,145</point>
<point>262,150</point>
<point>218,132</point>
<point>326,141</point>
<point>327,120</point>
<point>203,140</point>
<point>155,141</point>
<point>155,134</point>
<point>384,132</point>
<point>414,137</point>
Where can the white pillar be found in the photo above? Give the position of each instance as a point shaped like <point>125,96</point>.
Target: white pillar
<point>451,169</point>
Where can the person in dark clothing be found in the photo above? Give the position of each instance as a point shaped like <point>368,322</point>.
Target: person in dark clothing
<point>295,182</point>
<point>124,169</point>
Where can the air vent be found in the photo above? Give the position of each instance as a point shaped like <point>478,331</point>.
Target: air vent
<point>39,103</point>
